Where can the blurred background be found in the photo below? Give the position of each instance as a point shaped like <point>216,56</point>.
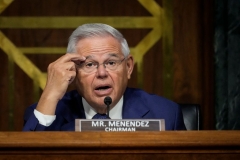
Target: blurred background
<point>184,50</point>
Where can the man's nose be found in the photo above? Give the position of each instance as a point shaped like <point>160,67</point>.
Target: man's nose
<point>101,71</point>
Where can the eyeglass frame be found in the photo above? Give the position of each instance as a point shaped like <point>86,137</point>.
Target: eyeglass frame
<point>104,64</point>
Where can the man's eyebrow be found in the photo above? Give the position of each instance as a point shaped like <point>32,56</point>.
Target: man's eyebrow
<point>90,56</point>
<point>110,55</point>
<point>113,55</point>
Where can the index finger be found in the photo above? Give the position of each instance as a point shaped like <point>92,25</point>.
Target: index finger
<point>72,57</point>
<point>77,60</point>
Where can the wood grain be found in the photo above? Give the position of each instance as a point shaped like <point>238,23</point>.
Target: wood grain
<point>60,145</point>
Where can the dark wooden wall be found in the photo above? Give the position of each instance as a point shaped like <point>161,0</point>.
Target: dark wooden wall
<point>193,55</point>
<point>192,52</point>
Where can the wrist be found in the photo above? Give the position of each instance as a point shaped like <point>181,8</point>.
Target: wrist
<point>47,103</point>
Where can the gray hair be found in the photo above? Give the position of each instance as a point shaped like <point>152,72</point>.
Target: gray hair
<point>93,30</point>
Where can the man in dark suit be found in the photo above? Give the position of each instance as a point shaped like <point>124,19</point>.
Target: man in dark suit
<point>99,63</point>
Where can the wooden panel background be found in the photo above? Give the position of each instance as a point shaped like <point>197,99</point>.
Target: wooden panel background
<point>192,52</point>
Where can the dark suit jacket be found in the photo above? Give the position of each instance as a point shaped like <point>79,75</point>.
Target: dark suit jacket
<point>137,104</point>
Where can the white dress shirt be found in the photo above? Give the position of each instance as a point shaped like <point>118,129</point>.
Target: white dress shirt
<point>114,113</point>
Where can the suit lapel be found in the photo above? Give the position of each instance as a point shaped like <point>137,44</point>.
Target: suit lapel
<point>133,106</point>
<point>75,109</point>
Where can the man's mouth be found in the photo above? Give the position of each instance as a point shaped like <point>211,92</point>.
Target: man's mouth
<point>102,88</point>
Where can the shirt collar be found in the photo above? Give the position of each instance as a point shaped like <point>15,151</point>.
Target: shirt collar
<point>114,113</point>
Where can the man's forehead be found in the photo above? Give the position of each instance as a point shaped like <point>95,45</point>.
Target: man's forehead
<point>108,55</point>
<point>90,45</point>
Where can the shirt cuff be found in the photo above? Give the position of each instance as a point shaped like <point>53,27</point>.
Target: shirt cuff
<point>45,120</point>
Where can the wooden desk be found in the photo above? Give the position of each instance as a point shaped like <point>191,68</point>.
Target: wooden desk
<point>102,145</point>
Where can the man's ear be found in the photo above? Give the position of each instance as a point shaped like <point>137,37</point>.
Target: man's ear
<point>130,65</point>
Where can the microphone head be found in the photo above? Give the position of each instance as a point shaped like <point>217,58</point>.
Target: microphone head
<point>107,100</point>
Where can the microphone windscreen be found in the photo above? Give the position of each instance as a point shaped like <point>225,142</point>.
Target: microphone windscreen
<point>107,100</point>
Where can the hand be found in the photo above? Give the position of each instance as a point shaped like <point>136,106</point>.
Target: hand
<point>61,73</point>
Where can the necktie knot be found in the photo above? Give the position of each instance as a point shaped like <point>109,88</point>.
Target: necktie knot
<point>100,116</point>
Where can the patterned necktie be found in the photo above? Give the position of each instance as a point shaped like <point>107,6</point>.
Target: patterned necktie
<point>100,116</point>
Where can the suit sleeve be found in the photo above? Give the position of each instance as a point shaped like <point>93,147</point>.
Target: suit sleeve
<point>31,122</point>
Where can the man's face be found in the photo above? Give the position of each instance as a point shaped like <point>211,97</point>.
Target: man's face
<point>95,86</point>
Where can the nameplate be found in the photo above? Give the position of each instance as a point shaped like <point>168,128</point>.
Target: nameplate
<point>121,125</point>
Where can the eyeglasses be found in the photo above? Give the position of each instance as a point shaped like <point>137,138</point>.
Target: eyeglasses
<point>90,66</point>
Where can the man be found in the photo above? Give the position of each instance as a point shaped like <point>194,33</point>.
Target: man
<point>99,63</point>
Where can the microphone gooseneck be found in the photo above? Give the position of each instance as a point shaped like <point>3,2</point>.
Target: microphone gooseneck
<point>108,101</point>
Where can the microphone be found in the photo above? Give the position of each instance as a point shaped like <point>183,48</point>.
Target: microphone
<point>108,101</point>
